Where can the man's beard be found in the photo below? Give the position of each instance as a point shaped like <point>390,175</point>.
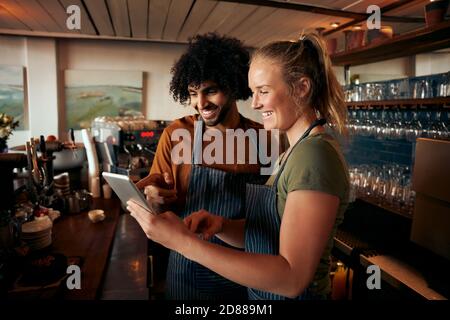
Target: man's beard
<point>224,110</point>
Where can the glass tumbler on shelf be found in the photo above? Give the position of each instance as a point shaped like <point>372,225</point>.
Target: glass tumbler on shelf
<point>369,92</point>
<point>414,128</point>
<point>379,91</point>
<point>394,90</point>
<point>422,89</point>
<point>404,89</point>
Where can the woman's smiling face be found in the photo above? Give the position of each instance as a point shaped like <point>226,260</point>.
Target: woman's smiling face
<point>271,95</point>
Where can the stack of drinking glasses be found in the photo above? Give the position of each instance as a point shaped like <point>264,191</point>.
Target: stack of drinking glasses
<point>422,87</point>
<point>387,185</point>
<point>397,124</point>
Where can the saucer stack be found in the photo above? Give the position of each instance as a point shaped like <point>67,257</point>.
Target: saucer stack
<point>37,234</point>
<point>62,183</point>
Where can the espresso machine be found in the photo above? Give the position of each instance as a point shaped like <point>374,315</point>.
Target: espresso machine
<point>31,171</point>
<point>127,145</point>
<point>39,170</point>
<point>25,174</point>
<point>8,163</point>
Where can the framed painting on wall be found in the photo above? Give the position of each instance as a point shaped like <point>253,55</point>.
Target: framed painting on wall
<point>12,94</point>
<point>93,93</point>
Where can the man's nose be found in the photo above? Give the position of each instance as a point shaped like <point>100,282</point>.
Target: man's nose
<point>201,101</point>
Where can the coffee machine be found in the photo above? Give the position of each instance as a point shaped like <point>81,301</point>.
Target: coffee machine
<point>9,162</point>
<point>127,145</point>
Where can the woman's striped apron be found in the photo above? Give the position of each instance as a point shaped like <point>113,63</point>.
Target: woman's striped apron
<point>262,230</point>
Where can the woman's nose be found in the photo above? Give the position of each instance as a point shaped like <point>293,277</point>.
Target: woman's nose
<point>255,103</point>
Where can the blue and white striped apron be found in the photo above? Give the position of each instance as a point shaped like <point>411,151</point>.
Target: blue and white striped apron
<point>262,229</point>
<point>221,193</point>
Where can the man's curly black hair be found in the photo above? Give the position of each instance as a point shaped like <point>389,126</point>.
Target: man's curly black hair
<point>212,57</point>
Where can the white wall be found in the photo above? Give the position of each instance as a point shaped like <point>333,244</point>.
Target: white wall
<point>379,71</point>
<point>384,70</point>
<point>46,59</point>
<point>12,50</point>
<point>39,58</point>
<point>42,86</point>
<point>419,65</point>
<point>433,62</point>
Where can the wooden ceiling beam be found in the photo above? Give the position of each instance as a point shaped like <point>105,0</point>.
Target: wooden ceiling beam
<point>323,11</point>
<point>417,41</point>
<point>385,9</point>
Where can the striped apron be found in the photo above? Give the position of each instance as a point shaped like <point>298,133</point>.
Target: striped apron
<point>262,230</point>
<point>221,193</point>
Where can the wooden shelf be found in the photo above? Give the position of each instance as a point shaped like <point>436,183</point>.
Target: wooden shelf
<point>442,101</point>
<point>410,43</point>
<point>386,207</point>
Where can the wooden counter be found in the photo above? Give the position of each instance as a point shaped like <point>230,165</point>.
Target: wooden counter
<point>372,235</point>
<point>401,275</point>
<point>76,236</point>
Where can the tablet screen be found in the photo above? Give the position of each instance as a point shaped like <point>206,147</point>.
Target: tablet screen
<point>126,189</point>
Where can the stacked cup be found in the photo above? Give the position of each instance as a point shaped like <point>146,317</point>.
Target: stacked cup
<point>62,183</point>
<point>37,234</point>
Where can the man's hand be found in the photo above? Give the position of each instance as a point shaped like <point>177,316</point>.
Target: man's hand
<point>159,190</point>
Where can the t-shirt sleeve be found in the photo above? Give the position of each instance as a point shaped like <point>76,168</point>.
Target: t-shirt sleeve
<point>162,160</point>
<point>315,165</point>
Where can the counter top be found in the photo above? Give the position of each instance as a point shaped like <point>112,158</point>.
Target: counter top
<point>371,235</point>
<point>76,236</point>
<point>402,275</point>
<point>394,270</point>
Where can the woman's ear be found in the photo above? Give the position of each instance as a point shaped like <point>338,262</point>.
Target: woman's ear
<point>303,88</point>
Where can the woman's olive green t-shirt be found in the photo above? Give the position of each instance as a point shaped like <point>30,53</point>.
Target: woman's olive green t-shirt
<point>316,163</point>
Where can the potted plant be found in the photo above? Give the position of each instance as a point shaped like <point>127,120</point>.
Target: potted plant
<point>435,12</point>
<point>7,125</point>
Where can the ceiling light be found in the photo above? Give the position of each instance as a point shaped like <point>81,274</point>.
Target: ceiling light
<point>334,24</point>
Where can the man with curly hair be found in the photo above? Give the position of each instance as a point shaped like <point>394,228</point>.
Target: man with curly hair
<point>210,76</point>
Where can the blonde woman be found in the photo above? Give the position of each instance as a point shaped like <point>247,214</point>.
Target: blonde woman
<point>291,221</point>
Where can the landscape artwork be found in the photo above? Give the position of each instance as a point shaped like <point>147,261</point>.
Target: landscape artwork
<point>12,101</point>
<point>93,93</point>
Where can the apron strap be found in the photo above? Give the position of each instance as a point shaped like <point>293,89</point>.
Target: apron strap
<point>198,142</point>
<point>255,144</point>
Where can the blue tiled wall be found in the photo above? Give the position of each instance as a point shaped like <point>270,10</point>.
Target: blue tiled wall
<point>370,150</point>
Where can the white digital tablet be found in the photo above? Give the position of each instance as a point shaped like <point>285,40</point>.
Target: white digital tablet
<point>126,189</point>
